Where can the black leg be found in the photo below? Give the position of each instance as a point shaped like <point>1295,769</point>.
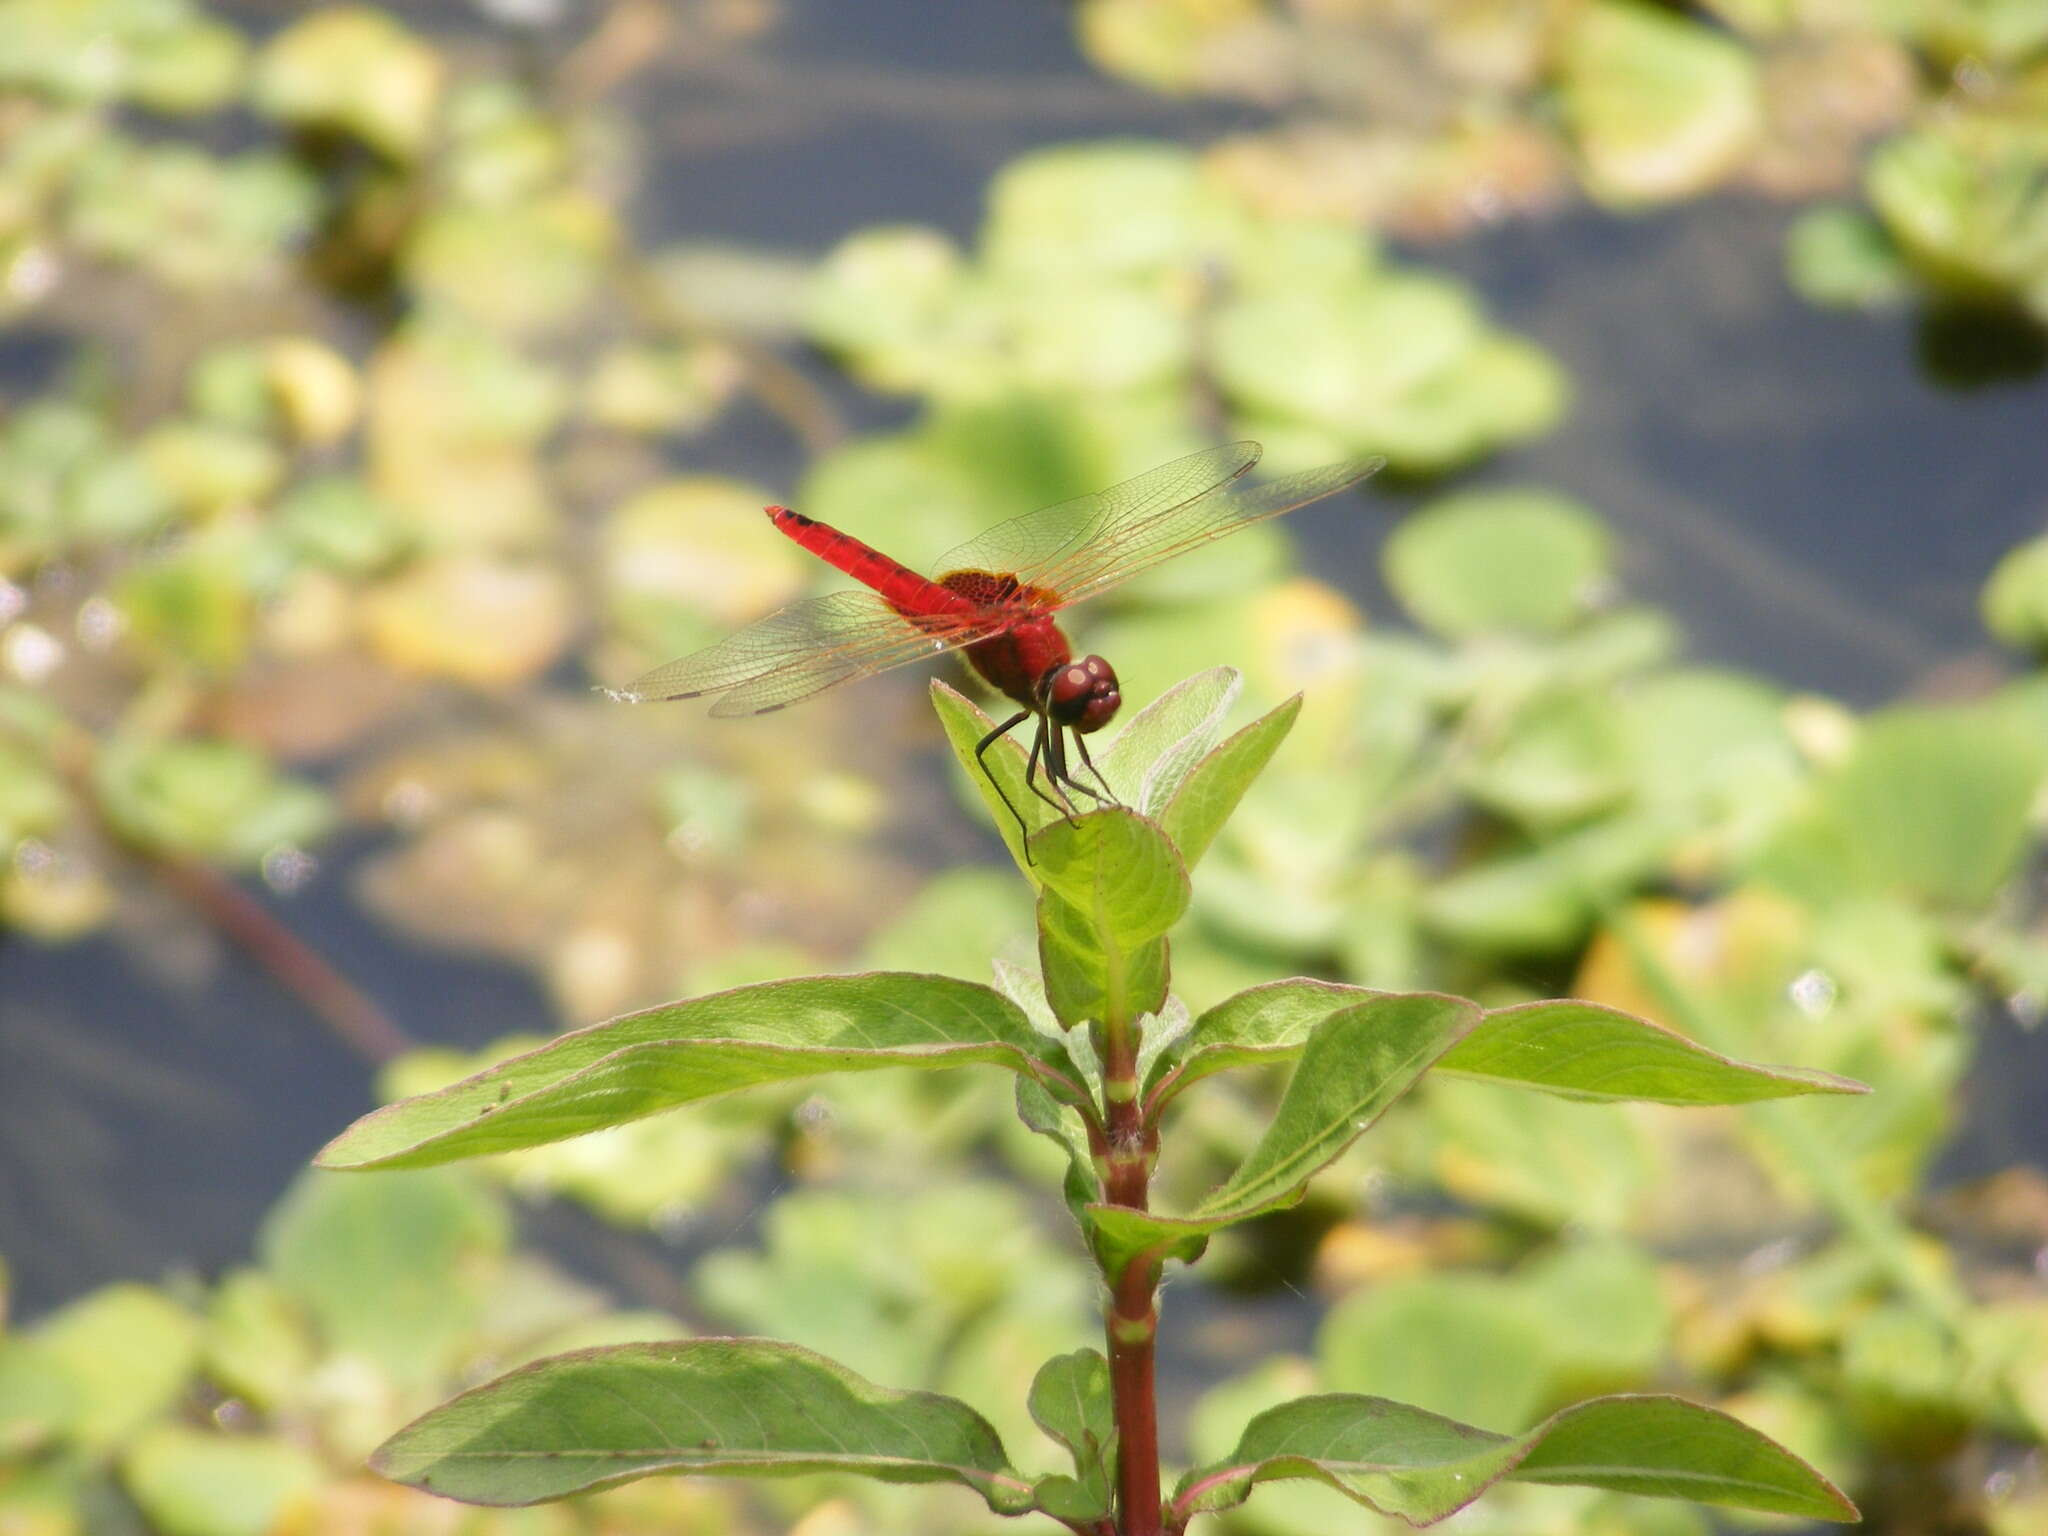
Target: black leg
<point>1081,746</point>
<point>981,756</point>
<point>1039,747</point>
<point>1056,763</point>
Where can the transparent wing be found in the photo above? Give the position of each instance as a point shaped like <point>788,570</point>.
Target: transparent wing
<point>1039,540</point>
<point>1135,538</point>
<point>803,649</point>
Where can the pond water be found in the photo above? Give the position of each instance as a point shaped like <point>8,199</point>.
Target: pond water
<point>1795,485</point>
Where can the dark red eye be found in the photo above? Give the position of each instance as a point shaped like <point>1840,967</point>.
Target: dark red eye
<point>1083,694</point>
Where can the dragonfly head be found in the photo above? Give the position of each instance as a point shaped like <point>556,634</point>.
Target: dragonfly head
<point>1082,695</point>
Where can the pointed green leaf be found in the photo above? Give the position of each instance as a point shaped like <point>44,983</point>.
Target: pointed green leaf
<point>1205,801</point>
<point>1112,887</point>
<point>1356,1062</point>
<point>1070,1401</point>
<point>1577,1050</point>
<point>650,1061</point>
<point>1262,1023</point>
<point>1587,1051</point>
<point>718,1407</point>
<point>1413,1464</point>
<point>1150,758</point>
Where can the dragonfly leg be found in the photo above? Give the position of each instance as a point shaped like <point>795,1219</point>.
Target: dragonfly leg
<point>1081,746</point>
<point>1055,739</point>
<point>981,756</point>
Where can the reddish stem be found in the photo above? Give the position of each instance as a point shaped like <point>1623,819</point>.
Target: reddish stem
<point>1132,1318</point>
<point>295,964</point>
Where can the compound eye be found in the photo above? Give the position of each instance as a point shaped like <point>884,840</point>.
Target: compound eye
<point>1067,692</point>
<point>1082,694</point>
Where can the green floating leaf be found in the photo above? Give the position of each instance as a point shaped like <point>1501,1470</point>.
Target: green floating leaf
<point>2015,600</point>
<point>1113,885</point>
<point>205,799</point>
<point>1355,1062</point>
<point>1842,258</point>
<point>197,1482</point>
<point>1209,794</point>
<point>121,1355</point>
<point>38,1401</point>
<point>1661,106</point>
<point>1936,801</point>
<point>1498,560</point>
<point>355,68</point>
<point>1469,1345</point>
<point>654,1060</point>
<point>395,1269</point>
<point>717,1407</point>
<point>1422,1468</point>
<point>1070,1401</point>
<point>1543,898</point>
<point>1076,212</point>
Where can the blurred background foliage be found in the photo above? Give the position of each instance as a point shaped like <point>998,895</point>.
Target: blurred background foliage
<point>372,385</point>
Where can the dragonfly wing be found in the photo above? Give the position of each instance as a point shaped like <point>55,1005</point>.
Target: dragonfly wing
<point>1140,537</point>
<point>1040,540</point>
<point>803,649</point>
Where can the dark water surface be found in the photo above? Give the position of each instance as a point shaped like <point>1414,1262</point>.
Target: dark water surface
<point>1786,481</point>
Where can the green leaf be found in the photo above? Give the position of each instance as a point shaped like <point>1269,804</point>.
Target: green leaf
<point>1151,757</point>
<point>1263,1023</point>
<point>1661,106</point>
<point>2015,599</point>
<point>654,1060</point>
<point>395,1270</point>
<point>1113,885</point>
<point>1498,560</point>
<point>198,1482</point>
<point>1841,257</point>
<point>1598,1054</point>
<point>1577,1050</point>
<point>1353,1066</point>
<point>1544,898</point>
<point>1935,800</point>
<point>1468,1345</point>
<point>1204,802</point>
<point>205,799</point>
<point>1533,1156</point>
<point>38,1399</point>
<point>123,1354</point>
<point>1070,1401</point>
<point>1118,870</point>
<point>719,1407</point>
<point>1042,1113</point>
<point>1413,1464</point>
<point>1354,1063</point>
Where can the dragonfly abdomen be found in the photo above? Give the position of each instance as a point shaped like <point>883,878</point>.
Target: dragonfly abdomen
<point>905,590</point>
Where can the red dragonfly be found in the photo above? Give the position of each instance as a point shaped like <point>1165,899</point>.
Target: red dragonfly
<point>995,597</point>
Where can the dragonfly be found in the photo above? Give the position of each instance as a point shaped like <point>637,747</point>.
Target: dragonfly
<point>997,598</point>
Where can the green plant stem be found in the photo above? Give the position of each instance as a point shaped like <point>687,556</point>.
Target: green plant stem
<point>1875,1227</point>
<point>1131,1319</point>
